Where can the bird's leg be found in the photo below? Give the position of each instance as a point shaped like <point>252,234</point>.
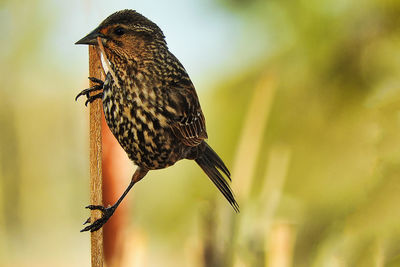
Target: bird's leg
<point>97,87</point>
<point>108,212</point>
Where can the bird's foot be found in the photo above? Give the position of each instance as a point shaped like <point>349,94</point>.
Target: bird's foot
<point>97,224</point>
<point>97,87</point>
<point>92,98</point>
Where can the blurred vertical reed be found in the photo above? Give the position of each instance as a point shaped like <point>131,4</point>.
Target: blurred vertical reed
<point>251,136</point>
<point>275,174</point>
<point>279,236</point>
<point>116,169</point>
<point>247,152</point>
<point>280,245</point>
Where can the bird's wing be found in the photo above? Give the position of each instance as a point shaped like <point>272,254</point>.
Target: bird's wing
<point>187,123</point>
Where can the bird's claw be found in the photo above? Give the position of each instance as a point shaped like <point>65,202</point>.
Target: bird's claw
<point>97,224</point>
<point>86,92</point>
<point>87,221</point>
<point>92,98</point>
<point>96,207</point>
<point>95,80</point>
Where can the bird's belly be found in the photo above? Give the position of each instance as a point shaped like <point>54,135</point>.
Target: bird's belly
<point>147,143</point>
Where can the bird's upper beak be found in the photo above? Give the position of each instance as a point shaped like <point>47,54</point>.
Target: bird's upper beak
<point>91,38</point>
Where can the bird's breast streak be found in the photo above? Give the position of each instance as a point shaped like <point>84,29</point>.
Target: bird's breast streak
<point>141,130</point>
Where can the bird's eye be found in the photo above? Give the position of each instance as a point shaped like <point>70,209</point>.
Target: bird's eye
<point>119,31</point>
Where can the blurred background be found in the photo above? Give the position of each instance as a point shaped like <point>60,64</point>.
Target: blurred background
<point>302,102</point>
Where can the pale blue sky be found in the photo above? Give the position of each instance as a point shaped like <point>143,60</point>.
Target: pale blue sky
<point>200,34</point>
<point>211,42</point>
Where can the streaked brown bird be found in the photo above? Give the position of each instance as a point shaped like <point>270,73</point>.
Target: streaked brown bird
<point>153,109</point>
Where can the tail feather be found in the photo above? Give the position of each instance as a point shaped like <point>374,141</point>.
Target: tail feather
<point>218,162</point>
<point>212,164</point>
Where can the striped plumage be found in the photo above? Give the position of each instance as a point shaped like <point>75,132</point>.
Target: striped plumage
<point>153,109</point>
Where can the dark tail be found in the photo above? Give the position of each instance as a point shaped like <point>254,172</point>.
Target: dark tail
<point>213,165</point>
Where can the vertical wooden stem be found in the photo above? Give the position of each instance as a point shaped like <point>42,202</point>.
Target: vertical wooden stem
<point>96,184</point>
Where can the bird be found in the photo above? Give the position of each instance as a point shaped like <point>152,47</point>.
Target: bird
<point>150,104</point>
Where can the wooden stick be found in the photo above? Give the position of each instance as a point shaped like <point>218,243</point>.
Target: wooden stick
<point>96,185</point>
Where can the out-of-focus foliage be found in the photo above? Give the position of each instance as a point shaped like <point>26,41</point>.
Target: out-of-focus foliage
<point>337,67</point>
<point>325,185</point>
<point>42,150</point>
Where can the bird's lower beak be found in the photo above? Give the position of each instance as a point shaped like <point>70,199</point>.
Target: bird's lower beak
<point>91,38</point>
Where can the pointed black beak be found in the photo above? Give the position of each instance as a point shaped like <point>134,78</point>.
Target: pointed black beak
<point>91,38</point>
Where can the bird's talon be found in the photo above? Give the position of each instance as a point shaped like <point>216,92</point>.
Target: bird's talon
<point>94,88</point>
<point>87,221</point>
<point>78,95</point>
<point>95,80</point>
<point>97,224</point>
<point>95,207</point>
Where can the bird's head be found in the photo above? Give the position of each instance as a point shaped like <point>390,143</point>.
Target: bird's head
<point>126,33</point>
